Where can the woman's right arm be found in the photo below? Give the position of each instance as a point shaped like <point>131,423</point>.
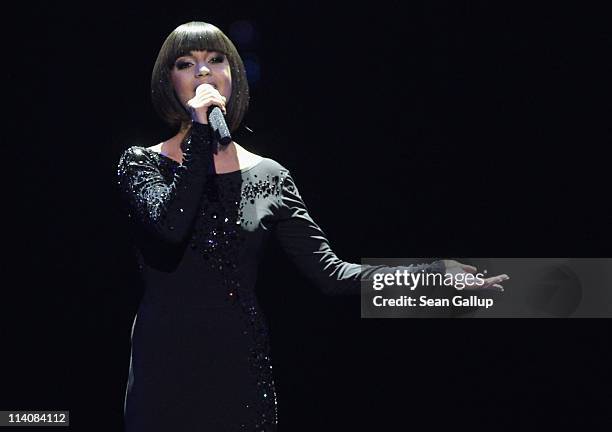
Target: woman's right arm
<point>165,210</point>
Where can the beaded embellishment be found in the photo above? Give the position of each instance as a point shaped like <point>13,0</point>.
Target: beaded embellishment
<point>218,235</point>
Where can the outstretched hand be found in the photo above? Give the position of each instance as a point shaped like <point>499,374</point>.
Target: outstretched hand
<point>455,268</point>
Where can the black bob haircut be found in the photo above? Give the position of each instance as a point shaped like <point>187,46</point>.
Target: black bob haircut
<point>196,36</point>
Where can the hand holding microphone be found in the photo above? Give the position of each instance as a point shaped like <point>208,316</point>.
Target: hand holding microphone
<point>208,107</point>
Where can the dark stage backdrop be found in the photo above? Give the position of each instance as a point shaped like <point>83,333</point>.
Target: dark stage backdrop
<point>433,129</point>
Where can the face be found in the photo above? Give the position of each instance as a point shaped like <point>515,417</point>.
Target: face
<point>201,67</point>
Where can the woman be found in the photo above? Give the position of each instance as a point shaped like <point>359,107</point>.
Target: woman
<point>201,214</point>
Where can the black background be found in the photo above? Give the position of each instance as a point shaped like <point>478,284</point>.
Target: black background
<point>427,129</point>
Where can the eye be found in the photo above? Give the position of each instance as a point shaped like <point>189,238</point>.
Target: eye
<point>182,64</point>
<point>218,59</point>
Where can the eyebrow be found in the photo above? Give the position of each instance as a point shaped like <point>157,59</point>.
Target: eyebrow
<point>208,52</point>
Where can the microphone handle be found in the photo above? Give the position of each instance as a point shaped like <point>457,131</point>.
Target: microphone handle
<point>218,125</point>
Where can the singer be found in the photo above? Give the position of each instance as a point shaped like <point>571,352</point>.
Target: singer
<point>201,212</point>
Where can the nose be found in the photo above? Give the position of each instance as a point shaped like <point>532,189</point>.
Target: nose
<point>202,71</point>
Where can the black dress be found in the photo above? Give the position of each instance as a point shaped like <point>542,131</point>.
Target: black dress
<point>200,357</point>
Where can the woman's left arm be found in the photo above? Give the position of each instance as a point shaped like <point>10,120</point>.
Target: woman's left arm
<point>307,246</point>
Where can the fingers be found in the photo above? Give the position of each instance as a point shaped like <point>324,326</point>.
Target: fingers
<point>468,268</point>
<point>499,278</point>
<point>207,90</point>
<point>491,286</point>
<point>204,102</point>
<point>205,96</point>
<point>494,283</point>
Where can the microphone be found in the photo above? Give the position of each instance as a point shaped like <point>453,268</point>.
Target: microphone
<point>218,125</point>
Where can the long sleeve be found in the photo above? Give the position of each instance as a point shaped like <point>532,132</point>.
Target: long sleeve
<point>167,210</point>
<point>307,246</point>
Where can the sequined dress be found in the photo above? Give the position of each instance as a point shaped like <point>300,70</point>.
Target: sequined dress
<point>200,357</point>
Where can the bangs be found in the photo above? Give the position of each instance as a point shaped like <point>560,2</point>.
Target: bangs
<point>195,38</point>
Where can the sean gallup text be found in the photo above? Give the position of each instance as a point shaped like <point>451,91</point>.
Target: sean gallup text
<point>424,301</point>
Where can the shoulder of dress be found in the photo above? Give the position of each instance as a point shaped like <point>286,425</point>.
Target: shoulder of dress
<point>137,151</point>
<point>135,154</point>
<point>133,160</point>
<point>272,167</point>
<point>280,176</point>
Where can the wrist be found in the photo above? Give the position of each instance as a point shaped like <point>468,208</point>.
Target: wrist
<point>199,138</point>
<point>201,131</point>
<point>199,116</point>
<point>201,120</point>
